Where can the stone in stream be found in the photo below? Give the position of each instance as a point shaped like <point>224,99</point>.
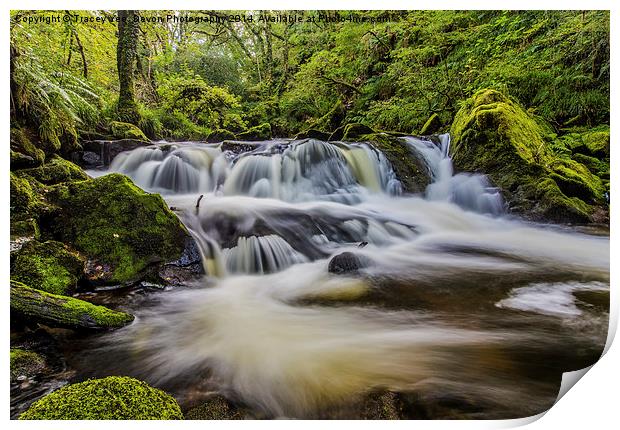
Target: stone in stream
<point>26,364</point>
<point>121,229</point>
<point>99,153</point>
<point>217,407</point>
<point>347,263</point>
<point>111,398</point>
<point>35,306</point>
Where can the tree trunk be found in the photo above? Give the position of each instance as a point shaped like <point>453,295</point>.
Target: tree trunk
<point>126,53</point>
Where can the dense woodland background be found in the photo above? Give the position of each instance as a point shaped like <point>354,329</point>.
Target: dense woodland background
<point>189,80</point>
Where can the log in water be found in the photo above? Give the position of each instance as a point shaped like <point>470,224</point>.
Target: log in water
<point>455,299</point>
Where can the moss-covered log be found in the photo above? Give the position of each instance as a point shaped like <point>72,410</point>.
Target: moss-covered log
<point>61,311</point>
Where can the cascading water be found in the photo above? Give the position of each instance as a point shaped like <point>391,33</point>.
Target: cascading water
<point>453,298</point>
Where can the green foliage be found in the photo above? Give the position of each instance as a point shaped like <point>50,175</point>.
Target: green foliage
<point>111,220</point>
<point>25,363</point>
<point>62,311</point>
<point>24,200</point>
<point>111,398</point>
<point>47,266</point>
<point>260,132</point>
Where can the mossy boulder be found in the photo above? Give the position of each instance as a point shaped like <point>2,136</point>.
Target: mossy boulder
<point>111,398</point>
<point>331,120</point>
<point>125,130</point>
<point>431,126</point>
<point>355,131</point>
<point>117,225</point>
<point>48,266</point>
<point>25,228</point>
<point>220,135</point>
<point>260,132</point>
<point>24,153</point>
<point>35,306</point>
<point>25,363</point>
<point>494,135</point>
<point>411,172</point>
<point>24,199</point>
<point>54,171</point>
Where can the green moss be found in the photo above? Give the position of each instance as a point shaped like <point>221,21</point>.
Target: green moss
<point>48,266</point>
<point>111,398</point>
<point>313,134</point>
<point>355,131</point>
<point>260,132</point>
<point>25,228</point>
<point>332,119</point>
<point>55,171</point>
<point>25,363</point>
<point>110,220</point>
<point>24,200</point>
<point>593,164</point>
<point>432,125</point>
<point>493,134</point>
<point>22,144</point>
<point>124,130</point>
<point>597,141</point>
<point>412,174</point>
<point>61,311</point>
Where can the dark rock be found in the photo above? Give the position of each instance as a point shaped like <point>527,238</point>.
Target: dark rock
<point>313,134</point>
<point>87,159</point>
<point>216,407</point>
<point>347,262</point>
<point>107,150</point>
<point>220,135</point>
<point>238,147</point>
<point>355,131</point>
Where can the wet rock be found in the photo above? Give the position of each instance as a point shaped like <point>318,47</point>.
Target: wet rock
<point>355,131</point>
<point>238,147</point>
<point>186,269</point>
<point>107,150</point>
<point>26,364</point>
<point>347,262</point>
<point>437,405</point>
<point>87,159</point>
<point>216,407</point>
<point>35,306</point>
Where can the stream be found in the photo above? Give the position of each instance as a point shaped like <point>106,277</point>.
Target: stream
<point>453,300</point>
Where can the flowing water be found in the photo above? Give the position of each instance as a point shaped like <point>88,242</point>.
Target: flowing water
<point>457,302</point>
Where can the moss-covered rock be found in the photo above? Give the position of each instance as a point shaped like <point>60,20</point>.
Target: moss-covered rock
<point>412,174</point>
<point>54,310</point>
<point>220,135</point>
<point>25,363</point>
<point>25,228</point>
<point>432,125</point>
<point>355,131</point>
<point>54,171</point>
<point>260,132</point>
<point>331,120</point>
<point>597,141</point>
<point>124,130</point>
<point>111,398</point>
<point>24,199</point>
<point>116,224</point>
<point>493,134</point>
<point>215,408</point>
<point>48,266</point>
<point>23,152</point>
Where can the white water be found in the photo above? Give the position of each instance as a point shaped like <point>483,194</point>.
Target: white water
<point>444,275</point>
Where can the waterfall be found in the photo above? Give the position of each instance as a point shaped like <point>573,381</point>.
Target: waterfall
<point>448,300</point>
<point>469,191</point>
